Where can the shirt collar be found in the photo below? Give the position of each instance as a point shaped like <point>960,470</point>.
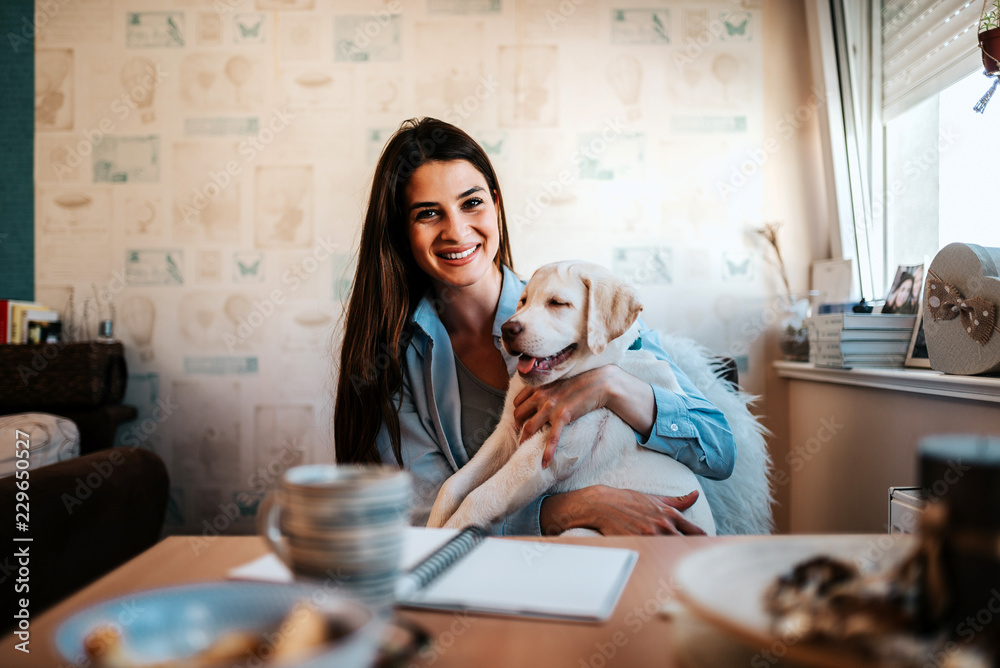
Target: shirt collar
<point>426,317</point>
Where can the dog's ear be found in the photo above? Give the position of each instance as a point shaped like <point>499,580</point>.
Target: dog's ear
<point>612,307</point>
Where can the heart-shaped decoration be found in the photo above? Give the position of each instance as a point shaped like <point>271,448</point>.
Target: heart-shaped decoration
<point>965,279</point>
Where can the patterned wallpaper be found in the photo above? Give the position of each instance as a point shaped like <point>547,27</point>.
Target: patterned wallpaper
<point>202,166</point>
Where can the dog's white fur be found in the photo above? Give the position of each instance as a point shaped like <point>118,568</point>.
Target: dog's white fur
<point>583,305</point>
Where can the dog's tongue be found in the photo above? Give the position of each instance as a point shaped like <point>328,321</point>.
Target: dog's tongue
<point>525,364</point>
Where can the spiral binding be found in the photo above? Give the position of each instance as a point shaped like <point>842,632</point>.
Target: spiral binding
<point>456,548</point>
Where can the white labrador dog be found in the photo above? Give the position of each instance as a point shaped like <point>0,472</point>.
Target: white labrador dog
<point>572,317</point>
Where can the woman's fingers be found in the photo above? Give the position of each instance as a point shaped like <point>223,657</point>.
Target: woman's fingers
<point>681,502</point>
<point>550,445</point>
<point>680,525</point>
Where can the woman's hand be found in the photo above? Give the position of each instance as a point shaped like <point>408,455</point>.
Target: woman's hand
<point>617,512</point>
<point>562,401</point>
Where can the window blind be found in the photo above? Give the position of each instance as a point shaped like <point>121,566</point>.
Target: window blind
<point>927,45</point>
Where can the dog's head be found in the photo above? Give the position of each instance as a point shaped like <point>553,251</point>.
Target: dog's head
<point>568,314</point>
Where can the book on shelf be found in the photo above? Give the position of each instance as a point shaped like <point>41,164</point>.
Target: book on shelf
<point>863,361</point>
<point>44,329</point>
<point>7,307</point>
<point>861,347</point>
<point>19,314</point>
<point>498,576</point>
<point>836,321</point>
<point>862,334</point>
<point>838,307</point>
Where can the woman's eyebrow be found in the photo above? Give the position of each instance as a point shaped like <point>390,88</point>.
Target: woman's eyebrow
<point>421,205</point>
<point>470,191</point>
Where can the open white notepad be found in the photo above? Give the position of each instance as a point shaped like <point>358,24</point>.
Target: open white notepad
<point>507,577</point>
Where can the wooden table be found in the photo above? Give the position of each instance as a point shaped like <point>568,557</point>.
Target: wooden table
<point>636,635</point>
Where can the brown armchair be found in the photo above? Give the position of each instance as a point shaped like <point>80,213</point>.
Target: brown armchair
<point>87,516</point>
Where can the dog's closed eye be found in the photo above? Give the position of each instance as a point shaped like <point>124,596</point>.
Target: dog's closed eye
<point>557,302</point>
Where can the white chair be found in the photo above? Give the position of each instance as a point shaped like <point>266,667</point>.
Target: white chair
<point>741,504</point>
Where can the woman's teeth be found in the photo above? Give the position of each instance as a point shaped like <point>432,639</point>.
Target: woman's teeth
<point>459,256</point>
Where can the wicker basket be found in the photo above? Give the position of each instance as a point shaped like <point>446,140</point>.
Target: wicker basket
<point>71,375</point>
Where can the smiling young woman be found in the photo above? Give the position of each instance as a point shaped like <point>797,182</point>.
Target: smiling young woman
<point>422,374</point>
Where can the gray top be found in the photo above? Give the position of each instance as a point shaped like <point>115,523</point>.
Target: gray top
<point>482,406</point>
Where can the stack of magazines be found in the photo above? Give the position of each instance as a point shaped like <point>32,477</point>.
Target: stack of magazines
<point>846,340</point>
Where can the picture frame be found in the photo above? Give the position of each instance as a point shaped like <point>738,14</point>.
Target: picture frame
<point>905,291</point>
<point>916,354</point>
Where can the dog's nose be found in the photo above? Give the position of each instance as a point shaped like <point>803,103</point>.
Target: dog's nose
<point>510,330</point>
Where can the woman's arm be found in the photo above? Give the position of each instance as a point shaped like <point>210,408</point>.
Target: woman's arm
<point>685,426</point>
<point>424,459</point>
<point>615,512</point>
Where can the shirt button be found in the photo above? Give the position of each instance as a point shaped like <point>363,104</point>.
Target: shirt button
<point>674,427</point>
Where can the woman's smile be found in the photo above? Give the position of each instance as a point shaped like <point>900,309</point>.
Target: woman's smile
<point>460,255</point>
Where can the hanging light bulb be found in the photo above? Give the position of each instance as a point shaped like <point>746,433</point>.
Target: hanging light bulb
<point>139,77</point>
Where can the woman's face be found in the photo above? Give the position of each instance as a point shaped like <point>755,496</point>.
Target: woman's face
<point>903,293</point>
<point>452,222</point>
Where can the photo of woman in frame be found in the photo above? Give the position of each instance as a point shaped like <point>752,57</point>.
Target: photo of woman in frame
<point>904,295</point>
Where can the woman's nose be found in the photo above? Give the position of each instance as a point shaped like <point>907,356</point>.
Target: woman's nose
<point>455,227</point>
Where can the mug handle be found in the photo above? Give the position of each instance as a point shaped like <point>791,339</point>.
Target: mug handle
<point>267,527</point>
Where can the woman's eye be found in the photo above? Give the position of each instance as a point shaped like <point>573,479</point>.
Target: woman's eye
<point>426,213</point>
<point>472,203</point>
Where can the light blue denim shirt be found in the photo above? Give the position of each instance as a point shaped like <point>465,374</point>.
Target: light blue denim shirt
<point>688,428</point>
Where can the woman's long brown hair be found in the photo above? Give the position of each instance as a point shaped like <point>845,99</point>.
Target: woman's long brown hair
<point>388,285</point>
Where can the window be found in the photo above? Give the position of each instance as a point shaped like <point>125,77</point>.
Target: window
<point>905,150</point>
<point>938,176</point>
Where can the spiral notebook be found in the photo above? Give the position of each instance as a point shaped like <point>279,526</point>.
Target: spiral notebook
<point>504,577</point>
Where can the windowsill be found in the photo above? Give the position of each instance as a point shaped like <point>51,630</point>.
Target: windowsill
<point>921,381</point>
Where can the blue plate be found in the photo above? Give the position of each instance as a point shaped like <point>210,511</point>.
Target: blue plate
<point>177,622</point>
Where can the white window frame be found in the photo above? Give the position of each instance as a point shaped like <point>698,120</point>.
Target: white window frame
<point>842,39</point>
